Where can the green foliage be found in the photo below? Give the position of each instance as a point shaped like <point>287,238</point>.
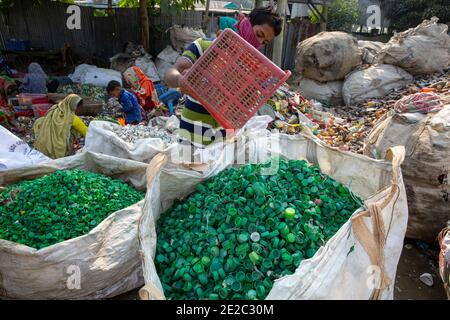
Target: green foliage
<point>342,15</point>
<point>407,14</point>
<point>167,6</point>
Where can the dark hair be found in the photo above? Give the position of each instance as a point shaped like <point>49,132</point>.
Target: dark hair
<point>112,85</point>
<point>265,15</point>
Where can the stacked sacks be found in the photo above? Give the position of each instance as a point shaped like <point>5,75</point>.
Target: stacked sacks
<point>424,49</point>
<point>325,60</point>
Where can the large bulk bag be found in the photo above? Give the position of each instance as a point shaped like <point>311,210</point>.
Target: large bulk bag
<point>106,261</point>
<point>328,56</point>
<point>426,168</point>
<point>373,82</point>
<point>101,138</point>
<point>329,93</point>
<point>369,50</point>
<point>424,49</point>
<point>371,241</point>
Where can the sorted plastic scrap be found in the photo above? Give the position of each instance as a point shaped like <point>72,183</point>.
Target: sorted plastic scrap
<point>87,90</point>
<point>346,127</point>
<point>60,206</point>
<point>132,133</point>
<point>241,230</point>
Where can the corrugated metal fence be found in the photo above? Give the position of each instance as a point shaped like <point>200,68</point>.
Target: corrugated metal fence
<point>45,26</point>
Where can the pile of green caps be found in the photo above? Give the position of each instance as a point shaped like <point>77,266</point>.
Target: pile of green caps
<point>241,230</point>
<point>60,206</point>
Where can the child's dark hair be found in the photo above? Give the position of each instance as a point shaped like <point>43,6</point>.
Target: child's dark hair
<point>265,15</point>
<point>112,85</point>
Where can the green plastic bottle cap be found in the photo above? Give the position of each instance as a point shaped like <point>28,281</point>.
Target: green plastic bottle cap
<point>215,275</point>
<point>236,286</point>
<point>215,251</point>
<point>254,257</point>
<point>199,292</point>
<point>187,287</point>
<point>261,292</point>
<point>160,258</point>
<point>240,276</point>
<point>285,231</point>
<point>198,268</point>
<point>223,293</point>
<point>289,213</point>
<point>187,277</point>
<point>275,254</point>
<point>206,261</point>
<point>287,258</point>
<point>251,294</point>
<point>255,276</point>
<point>213,296</point>
<point>273,234</point>
<point>243,237</point>
<point>255,236</point>
<point>270,222</point>
<point>221,273</point>
<point>290,238</point>
<point>267,263</point>
<point>276,242</point>
<point>232,211</point>
<point>229,280</point>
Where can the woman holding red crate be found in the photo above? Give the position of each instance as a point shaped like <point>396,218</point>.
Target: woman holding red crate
<point>196,125</point>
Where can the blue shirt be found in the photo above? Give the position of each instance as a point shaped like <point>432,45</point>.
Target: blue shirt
<point>130,106</point>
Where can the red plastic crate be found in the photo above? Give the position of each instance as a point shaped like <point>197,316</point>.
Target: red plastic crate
<point>232,80</point>
<point>40,110</point>
<point>32,98</point>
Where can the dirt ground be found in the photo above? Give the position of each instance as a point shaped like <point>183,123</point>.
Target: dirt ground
<point>417,258</point>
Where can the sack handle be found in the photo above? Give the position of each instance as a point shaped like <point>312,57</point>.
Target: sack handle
<point>150,292</point>
<point>154,167</point>
<point>374,242</point>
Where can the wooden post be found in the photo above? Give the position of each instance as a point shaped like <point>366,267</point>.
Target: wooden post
<point>206,17</point>
<point>145,27</point>
<point>279,40</point>
<point>323,22</point>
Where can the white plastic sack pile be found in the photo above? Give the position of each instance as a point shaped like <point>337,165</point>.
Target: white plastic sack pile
<point>328,56</point>
<point>326,92</point>
<point>342,269</point>
<point>373,82</point>
<point>424,49</point>
<point>89,74</point>
<point>15,153</point>
<point>101,138</point>
<point>165,60</point>
<point>146,64</point>
<point>426,168</point>
<point>101,264</point>
<point>181,37</point>
<point>369,50</point>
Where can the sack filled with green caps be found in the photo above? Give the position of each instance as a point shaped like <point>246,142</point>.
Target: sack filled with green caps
<point>68,228</point>
<point>241,230</point>
<point>307,230</point>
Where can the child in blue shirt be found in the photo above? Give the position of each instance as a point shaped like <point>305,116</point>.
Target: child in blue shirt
<point>127,100</point>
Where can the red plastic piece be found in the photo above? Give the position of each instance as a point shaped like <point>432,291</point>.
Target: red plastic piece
<point>32,98</point>
<point>232,80</point>
<point>40,110</point>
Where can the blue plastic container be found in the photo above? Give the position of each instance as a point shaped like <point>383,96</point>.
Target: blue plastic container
<point>17,45</point>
